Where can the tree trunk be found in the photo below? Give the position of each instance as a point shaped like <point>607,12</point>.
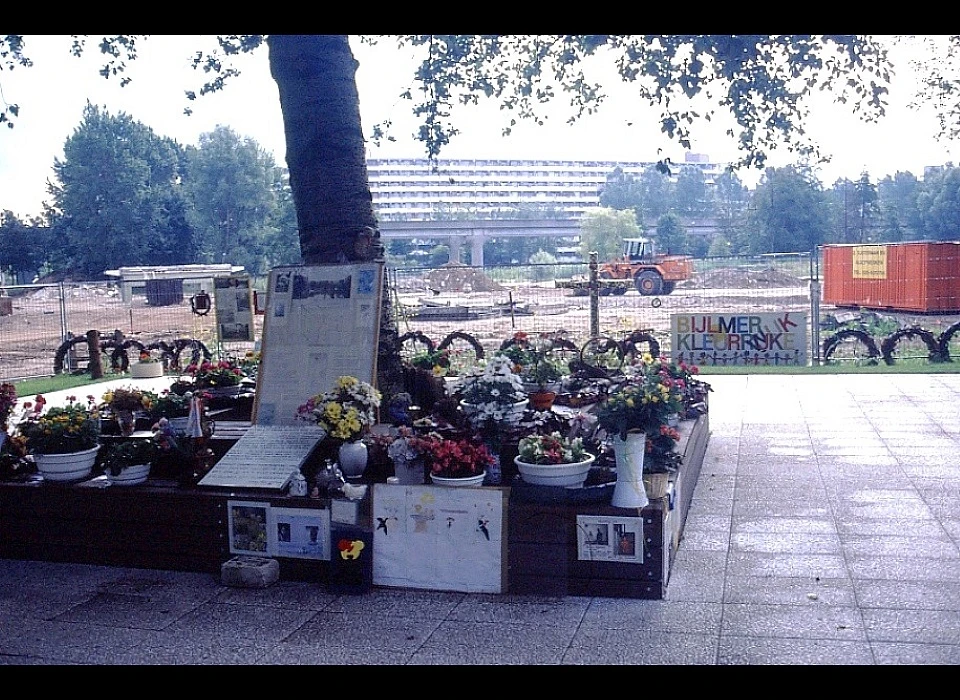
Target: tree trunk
<point>326,159</point>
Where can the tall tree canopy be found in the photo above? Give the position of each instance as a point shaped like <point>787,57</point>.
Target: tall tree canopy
<point>117,196</point>
<point>232,184</point>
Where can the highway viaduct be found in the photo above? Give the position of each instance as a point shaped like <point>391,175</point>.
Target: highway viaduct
<point>478,231</point>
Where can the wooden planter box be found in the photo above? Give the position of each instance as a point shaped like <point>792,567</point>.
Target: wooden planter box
<point>543,550</point>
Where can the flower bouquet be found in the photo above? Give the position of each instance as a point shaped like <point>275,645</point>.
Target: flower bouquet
<point>128,399</point>
<point>638,404</point>
<point>346,412</point>
<point>492,395</point>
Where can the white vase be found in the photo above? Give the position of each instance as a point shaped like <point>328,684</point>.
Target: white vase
<point>133,475</point>
<point>476,480</point>
<point>66,466</point>
<point>569,476</point>
<point>353,459</point>
<point>629,491</point>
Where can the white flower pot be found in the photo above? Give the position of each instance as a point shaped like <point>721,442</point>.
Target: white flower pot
<point>146,370</point>
<point>130,476</point>
<point>476,480</point>
<point>570,476</point>
<point>66,466</point>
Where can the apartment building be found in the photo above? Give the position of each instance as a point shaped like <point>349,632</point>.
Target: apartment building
<point>410,189</point>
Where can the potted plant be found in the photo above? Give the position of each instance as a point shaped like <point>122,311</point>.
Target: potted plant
<point>64,439</point>
<point>123,403</point>
<point>346,412</point>
<point>458,461</point>
<point>146,366</point>
<point>661,459</point>
<point>127,462</point>
<point>553,460</point>
<point>215,374</point>
<point>492,395</point>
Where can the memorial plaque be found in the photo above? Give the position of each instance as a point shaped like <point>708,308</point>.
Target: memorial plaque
<point>265,457</point>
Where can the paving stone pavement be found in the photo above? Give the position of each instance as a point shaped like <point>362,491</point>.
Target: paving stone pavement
<point>823,530</point>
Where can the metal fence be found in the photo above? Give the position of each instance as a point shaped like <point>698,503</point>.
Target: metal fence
<point>489,304</point>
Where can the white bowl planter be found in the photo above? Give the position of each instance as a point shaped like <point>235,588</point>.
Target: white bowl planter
<point>146,370</point>
<point>571,476</point>
<point>66,466</point>
<point>130,476</point>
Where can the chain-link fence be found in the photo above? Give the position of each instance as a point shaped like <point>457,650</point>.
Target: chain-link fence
<point>487,304</point>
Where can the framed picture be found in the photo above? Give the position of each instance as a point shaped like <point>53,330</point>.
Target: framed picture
<point>247,522</point>
<point>609,538</point>
<point>301,533</point>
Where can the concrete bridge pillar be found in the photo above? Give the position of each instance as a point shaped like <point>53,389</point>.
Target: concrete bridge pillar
<point>476,248</point>
<point>456,248</point>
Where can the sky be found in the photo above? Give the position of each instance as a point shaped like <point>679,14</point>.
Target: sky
<point>53,92</point>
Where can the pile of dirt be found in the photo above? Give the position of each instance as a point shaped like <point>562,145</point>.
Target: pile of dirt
<point>457,277</point>
<point>743,278</point>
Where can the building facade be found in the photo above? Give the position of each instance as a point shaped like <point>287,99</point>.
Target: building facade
<point>411,189</point>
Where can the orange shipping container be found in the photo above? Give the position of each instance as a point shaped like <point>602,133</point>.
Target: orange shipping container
<point>919,276</point>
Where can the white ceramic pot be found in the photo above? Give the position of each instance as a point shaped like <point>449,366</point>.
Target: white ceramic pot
<point>476,480</point>
<point>146,370</point>
<point>353,459</point>
<point>130,476</point>
<point>66,466</point>
<point>629,491</point>
<point>570,476</point>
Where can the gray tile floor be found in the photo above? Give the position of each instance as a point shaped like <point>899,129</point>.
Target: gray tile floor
<point>824,530</point>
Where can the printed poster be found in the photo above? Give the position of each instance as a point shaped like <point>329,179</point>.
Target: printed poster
<point>320,322</point>
<point>449,539</point>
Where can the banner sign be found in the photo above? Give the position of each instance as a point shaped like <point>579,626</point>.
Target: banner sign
<point>739,339</point>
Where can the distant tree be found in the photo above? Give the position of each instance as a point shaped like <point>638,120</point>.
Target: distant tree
<point>542,262</point>
<point>622,191</point>
<point>657,194</point>
<point>867,209</point>
<point>719,247</point>
<point>281,245</point>
<point>730,202</point>
<point>232,183</point>
<point>118,198</point>
<point>24,246</point>
<point>671,235</point>
<point>939,205</point>
<point>788,213</point>
<point>691,197</point>
<point>900,218</point>
<point>603,231</point>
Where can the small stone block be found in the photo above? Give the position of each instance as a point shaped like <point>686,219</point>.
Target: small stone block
<point>250,572</point>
